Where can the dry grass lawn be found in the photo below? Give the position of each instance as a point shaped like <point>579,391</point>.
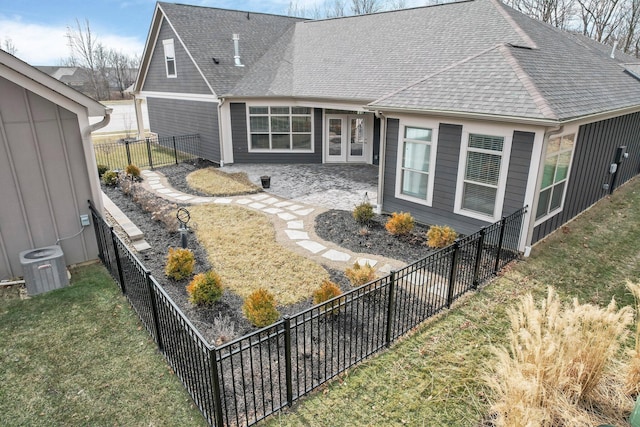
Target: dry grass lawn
<point>216,183</point>
<point>243,250</point>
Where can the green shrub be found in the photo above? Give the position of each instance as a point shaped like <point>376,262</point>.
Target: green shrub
<point>363,213</point>
<point>110,178</point>
<point>133,172</point>
<point>205,288</point>
<point>358,275</point>
<point>102,169</point>
<point>180,263</point>
<point>440,236</point>
<point>260,308</point>
<point>400,224</point>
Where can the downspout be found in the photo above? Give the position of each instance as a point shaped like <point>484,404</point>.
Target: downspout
<point>220,132</point>
<point>381,159</point>
<point>102,123</point>
<point>90,156</point>
<point>536,195</point>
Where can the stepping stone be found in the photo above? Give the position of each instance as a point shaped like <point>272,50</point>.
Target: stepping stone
<point>295,207</point>
<point>272,211</point>
<point>154,181</point>
<point>295,225</point>
<point>304,212</point>
<point>364,261</point>
<point>334,255</point>
<point>184,198</point>
<point>269,201</point>
<point>222,201</point>
<point>282,204</point>
<point>165,191</point>
<point>313,247</point>
<point>386,269</point>
<point>260,197</point>
<point>287,216</point>
<point>257,205</point>
<point>156,186</point>
<point>201,200</point>
<point>297,235</point>
<point>243,201</point>
<point>141,245</point>
<point>176,195</point>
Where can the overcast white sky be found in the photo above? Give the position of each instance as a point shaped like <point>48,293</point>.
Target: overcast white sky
<point>37,28</point>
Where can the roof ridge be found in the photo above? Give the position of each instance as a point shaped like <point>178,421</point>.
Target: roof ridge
<point>537,96</point>
<point>442,70</point>
<point>525,37</point>
<point>234,10</point>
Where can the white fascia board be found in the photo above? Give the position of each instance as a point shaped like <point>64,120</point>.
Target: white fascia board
<point>179,96</point>
<point>346,105</point>
<point>149,49</point>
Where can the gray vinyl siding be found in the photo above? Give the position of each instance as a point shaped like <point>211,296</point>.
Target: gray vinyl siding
<point>188,79</point>
<point>173,117</point>
<point>240,139</point>
<point>517,178</point>
<point>595,149</point>
<point>45,180</point>
<point>446,173</point>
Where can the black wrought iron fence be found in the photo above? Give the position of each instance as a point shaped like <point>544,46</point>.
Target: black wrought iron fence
<point>246,380</point>
<point>149,152</point>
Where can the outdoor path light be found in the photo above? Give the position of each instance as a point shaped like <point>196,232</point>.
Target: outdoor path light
<point>183,216</point>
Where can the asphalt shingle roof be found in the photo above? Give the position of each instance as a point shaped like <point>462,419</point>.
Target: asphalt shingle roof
<point>476,56</point>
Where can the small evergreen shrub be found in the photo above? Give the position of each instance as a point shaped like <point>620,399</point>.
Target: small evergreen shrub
<point>180,263</point>
<point>133,172</point>
<point>363,213</point>
<point>325,292</point>
<point>260,308</point>
<point>110,178</point>
<point>102,169</point>
<point>358,275</point>
<point>205,288</point>
<point>440,236</point>
<point>400,224</point>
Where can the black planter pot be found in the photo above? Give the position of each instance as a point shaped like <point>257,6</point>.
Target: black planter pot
<point>266,181</point>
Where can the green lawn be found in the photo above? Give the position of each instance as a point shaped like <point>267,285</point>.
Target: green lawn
<point>434,378</point>
<point>79,356</point>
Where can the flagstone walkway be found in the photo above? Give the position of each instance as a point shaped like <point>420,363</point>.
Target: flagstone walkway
<point>294,224</point>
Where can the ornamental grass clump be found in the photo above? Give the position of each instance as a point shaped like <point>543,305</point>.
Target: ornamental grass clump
<point>440,236</point>
<point>632,376</point>
<point>557,364</point>
<point>133,172</point>
<point>363,213</point>
<point>260,308</point>
<point>358,275</point>
<point>400,224</point>
<point>180,263</point>
<point>205,289</point>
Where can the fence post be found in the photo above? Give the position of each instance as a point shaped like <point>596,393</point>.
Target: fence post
<point>287,358</point>
<point>118,263</point>
<point>391,307</point>
<point>175,150</point>
<point>126,145</point>
<point>500,241</point>
<point>479,252</point>
<point>215,377</point>
<point>149,153</point>
<point>453,273</point>
<point>154,310</point>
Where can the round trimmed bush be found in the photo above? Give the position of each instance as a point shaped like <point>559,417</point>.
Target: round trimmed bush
<point>205,288</point>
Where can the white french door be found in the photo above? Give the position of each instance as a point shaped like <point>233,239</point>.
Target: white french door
<point>347,138</point>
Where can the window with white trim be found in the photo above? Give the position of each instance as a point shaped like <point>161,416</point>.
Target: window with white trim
<point>169,57</point>
<point>415,168</point>
<point>555,175</point>
<point>280,128</point>
<point>482,173</point>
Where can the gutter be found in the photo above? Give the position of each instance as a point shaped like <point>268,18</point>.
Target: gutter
<point>104,122</point>
<point>220,132</point>
<point>381,159</point>
<point>536,195</point>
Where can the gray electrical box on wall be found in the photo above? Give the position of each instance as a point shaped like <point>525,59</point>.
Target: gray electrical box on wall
<point>84,220</point>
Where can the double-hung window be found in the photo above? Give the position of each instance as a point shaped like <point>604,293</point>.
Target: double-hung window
<point>415,181</point>
<point>481,178</point>
<point>169,57</point>
<point>556,173</point>
<point>280,128</point>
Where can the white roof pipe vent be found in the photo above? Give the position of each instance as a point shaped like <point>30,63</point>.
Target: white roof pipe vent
<point>613,51</point>
<point>236,40</point>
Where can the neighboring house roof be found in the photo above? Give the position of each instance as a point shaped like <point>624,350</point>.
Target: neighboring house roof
<point>11,64</point>
<point>470,57</point>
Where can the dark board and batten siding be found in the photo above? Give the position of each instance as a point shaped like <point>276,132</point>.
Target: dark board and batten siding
<point>446,175</point>
<point>188,79</point>
<point>595,149</point>
<point>173,117</point>
<point>240,138</point>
